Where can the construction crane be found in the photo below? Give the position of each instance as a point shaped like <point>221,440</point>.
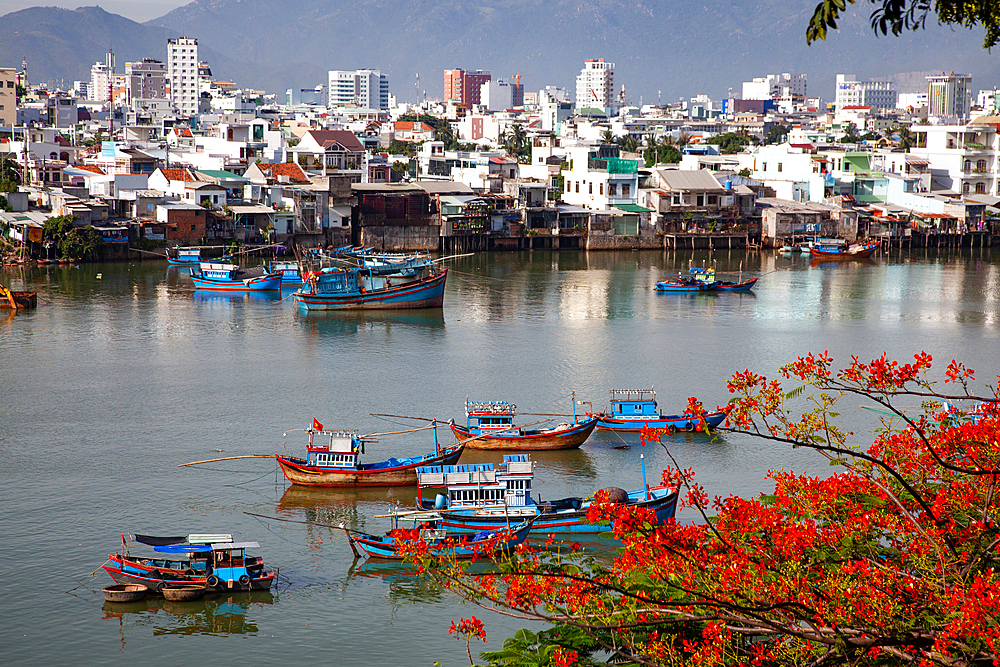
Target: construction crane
<point>517,77</point>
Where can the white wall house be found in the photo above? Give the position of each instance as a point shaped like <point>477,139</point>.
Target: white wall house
<point>963,158</point>
<point>599,183</point>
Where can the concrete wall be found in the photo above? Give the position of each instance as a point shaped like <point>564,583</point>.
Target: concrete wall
<point>401,237</point>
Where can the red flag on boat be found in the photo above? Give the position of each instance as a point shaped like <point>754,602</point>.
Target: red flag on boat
<point>316,425</point>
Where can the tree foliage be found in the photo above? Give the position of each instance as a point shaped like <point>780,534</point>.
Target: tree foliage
<point>892,560</point>
<point>73,242</point>
<point>899,16</point>
<point>731,142</point>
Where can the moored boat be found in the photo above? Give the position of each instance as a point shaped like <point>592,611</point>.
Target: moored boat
<point>635,409</point>
<point>332,459</point>
<point>439,541</point>
<point>380,285</point>
<point>479,497</point>
<point>490,425</point>
<point>838,249</point>
<point>231,278</point>
<point>212,562</point>
<point>18,299</point>
<point>289,272</point>
<point>184,257</point>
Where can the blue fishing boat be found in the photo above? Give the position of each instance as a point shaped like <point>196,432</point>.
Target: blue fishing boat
<point>184,257</point>
<point>490,425</point>
<point>214,562</point>
<point>440,542</point>
<point>415,282</point>
<point>231,278</point>
<point>479,497</point>
<point>332,460</point>
<point>289,272</point>
<point>697,280</point>
<point>635,409</point>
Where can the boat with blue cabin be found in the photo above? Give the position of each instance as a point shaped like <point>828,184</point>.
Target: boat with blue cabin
<point>213,561</point>
<point>232,278</point>
<point>184,257</point>
<point>414,282</point>
<point>490,425</point>
<point>289,272</point>
<point>635,409</point>
<point>478,497</point>
<point>440,541</point>
<point>697,280</point>
<point>333,459</point>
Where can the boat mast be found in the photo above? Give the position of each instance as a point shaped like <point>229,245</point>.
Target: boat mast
<point>574,407</point>
<point>437,447</point>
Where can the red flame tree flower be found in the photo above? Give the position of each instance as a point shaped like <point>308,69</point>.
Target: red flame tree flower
<point>891,560</point>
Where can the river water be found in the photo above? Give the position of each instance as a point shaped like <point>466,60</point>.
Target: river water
<point>123,372</point>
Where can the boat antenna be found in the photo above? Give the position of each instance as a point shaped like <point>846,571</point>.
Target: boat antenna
<point>645,486</point>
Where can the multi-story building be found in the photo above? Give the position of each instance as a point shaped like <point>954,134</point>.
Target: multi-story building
<point>775,86</point>
<point>875,94</point>
<point>101,78</point>
<point>464,87</point>
<point>8,96</point>
<point>963,158</point>
<point>598,179</point>
<point>182,74</point>
<point>145,80</point>
<point>987,100</point>
<point>366,88</point>
<point>949,95</point>
<point>595,85</point>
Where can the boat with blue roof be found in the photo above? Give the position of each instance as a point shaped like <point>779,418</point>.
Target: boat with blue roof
<point>333,460</point>
<point>231,278</point>
<point>289,271</point>
<point>212,561</point>
<point>490,425</point>
<point>632,410</point>
<point>479,496</point>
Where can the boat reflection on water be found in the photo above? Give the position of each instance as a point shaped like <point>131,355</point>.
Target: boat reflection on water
<point>213,615</point>
<point>208,296</point>
<point>327,508</point>
<point>564,465</point>
<point>340,322</point>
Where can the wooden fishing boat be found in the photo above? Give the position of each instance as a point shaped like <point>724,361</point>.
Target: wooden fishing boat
<point>289,272</point>
<point>478,497</point>
<point>484,544</point>
<point>737,286</point>
<point>17,299</point>
<point>490,425</point>
<point>212,562</point>
<point>332,459</point>
<point>632,410</point>
<point>231,278</point>
<point>838,249</point>
<point>184,257</point>
<point>389,286</point>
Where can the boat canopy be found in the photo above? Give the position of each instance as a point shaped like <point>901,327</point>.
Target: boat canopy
<point>234,545</point>
<point>182,548</point>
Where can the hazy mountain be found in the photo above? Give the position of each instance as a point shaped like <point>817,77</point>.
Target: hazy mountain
<point>679,48</point>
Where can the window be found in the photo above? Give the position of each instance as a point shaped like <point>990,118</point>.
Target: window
<point>600,188</point>
<point>779,167</point>
<point>626,189</point>
<point>612,189</point>
<point>965,188</point>
<point>713,200</point>
<point>192,228</point>
<point>590,188</point>
<point>967,165</point>
<point>763,166</point>
<point>577,186</point>
<point>980,188</point>
<point>980,165</point>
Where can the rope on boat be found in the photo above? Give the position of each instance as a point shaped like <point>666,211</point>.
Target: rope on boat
<point>93,575</point>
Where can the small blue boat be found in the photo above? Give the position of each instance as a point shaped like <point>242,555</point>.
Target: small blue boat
<point>632,410</point>
<point>185,257</point>
<point>440,542</point>
<point>478,497</point>
<point>697,280</point>
<point>414,282</point>
<point>231,278</point>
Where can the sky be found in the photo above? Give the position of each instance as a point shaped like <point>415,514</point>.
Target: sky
<point>137,10</point>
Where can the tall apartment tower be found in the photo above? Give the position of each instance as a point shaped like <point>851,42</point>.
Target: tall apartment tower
<point>949,95</point>
<point>101,77</point>
<point>595,85</point>
<point>368,88</point>
<point>182,74</point>
<point>465,87</point>
<point>876,94</point>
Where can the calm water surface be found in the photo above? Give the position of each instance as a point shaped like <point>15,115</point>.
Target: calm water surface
<point>124,371</point>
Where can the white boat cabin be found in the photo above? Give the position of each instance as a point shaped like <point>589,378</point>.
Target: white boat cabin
<point>633,403</point>
<point>334,449</point>
<point>217,271</point>
<point>495,417</point>
<point>471,485</point>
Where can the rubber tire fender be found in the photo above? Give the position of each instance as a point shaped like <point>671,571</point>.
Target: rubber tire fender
<point>212,581</point>
<point>245,580</point>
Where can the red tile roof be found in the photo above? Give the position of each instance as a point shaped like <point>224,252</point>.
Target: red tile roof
<point>183,131</point>
<point>91,168</point>
<point>417,126</point>
<point>290,169</point>
<point>857,106</point>
<point>177,175</point>
<point>326,138</point>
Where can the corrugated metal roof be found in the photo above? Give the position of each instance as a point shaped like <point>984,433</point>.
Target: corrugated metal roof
<point>682,179</point>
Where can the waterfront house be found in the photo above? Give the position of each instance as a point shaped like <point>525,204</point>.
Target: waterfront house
<point>332,151</point>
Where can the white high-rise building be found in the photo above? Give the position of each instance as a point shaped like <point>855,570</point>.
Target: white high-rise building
<point>949,95</point>
<point>367,88</point>
<point>595,85</point>
<point>101,77</point>
<point>876,94</point>
<point>775,86</point>
<point>182,74</point>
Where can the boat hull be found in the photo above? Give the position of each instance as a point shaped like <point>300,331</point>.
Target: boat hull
<point>425,293</point>
<point>149,577</point>
<point>744,286</point>
<point>569,438</point>
<point>667,286</point>
<point>259,284</point>
<point>298,472</point>
<point>22,299</point>
<point>864,253</point>
<point>672,422</point>
<point>386,548</point>
<point>663,504</point>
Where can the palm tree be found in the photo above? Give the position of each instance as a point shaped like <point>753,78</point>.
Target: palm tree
<point>608,137</point>
<point>683,139</point>
<point>629,144</point>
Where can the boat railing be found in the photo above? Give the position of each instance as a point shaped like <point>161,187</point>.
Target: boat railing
<point>489,408</point>
<point>632,395</point>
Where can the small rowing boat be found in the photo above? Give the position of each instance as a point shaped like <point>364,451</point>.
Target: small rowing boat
<point>439,541</point>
